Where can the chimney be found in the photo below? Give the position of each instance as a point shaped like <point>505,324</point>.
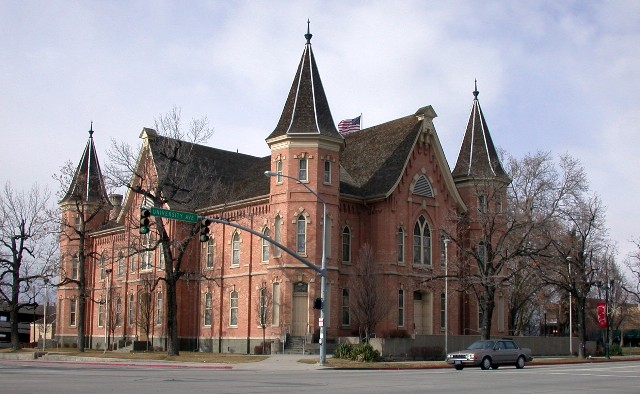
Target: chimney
<point>116,202</point>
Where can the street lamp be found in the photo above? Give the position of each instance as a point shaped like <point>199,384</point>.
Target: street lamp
<point>446,295</point>
<point>323,266</point>
<point>607,287</point>
<point>570,310</point>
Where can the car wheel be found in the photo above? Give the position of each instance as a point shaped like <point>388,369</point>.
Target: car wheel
<point>495,366</point>
<point>486,363</point>
<point>520,362</point>
<point>459,367</point>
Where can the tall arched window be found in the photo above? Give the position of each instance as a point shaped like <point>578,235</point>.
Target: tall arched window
<point>235,249</point>
<point>131,313</point>
<point>233,308</point>
<point>279,171</point>
<point>400,243</point>
<point>209,257</point>
<point>265,245</point>
<point>301,239</point>
<point>118,311</point>
<point>422,242</point>
<point>277,229</point>
<point>208,305</point>
<point>346,245</point>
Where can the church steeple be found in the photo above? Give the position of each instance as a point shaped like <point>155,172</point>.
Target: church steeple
<point>87,184</point>
<point>478,157</point>
<point>306,110</point>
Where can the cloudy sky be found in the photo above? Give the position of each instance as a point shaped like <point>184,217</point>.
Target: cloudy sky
<point>558,76</point>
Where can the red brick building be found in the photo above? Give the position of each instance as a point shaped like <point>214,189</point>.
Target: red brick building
<point>388,186</point>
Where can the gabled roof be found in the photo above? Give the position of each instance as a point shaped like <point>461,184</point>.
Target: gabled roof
<point>374,159</point>
<point>240,176</point>
<point>306,110</point>
<point>478,157</point>
<point>88,183</point>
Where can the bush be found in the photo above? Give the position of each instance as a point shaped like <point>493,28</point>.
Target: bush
<point>343,351</point>
<point>360,352</point>
<point>615,350</point>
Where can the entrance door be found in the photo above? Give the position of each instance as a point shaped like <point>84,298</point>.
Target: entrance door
<point>422,313</point>
<point>300,309</point>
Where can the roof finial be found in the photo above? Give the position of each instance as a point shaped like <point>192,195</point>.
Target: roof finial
<point>475,92</point>
<point>308,35</point>
<point>91,130</point>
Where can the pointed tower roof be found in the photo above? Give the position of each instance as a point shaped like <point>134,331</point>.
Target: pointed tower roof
<point>306,111</point>
<point>478,157</point>
<point>87,184</point>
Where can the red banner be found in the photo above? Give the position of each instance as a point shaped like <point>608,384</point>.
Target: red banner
<point>602,314</point>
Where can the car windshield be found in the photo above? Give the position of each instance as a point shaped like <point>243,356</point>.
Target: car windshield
<point>481,345</point>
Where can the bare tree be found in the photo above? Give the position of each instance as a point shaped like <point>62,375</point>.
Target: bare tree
<point>26,249</point>
<point>632,262</point>
<point>168,172</point>
<point>369,299</point>
<point>263,311</point>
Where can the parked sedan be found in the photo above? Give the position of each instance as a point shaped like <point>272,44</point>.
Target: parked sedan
<point>490,354</point>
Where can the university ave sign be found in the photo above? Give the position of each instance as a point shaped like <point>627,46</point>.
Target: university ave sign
<point>175,215</point>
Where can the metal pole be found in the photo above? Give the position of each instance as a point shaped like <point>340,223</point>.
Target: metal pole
<point>46,305</point>
<point>106,313</point>
<point>570,310</point>
<point>446,296</point>
<point>323,286</point>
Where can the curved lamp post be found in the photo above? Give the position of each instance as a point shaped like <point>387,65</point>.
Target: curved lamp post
<point>323,267</point>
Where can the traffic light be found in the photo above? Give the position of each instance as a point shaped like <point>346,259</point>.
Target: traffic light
<point>204,230</point>
<point>317,303</point>
<point>144,221</point>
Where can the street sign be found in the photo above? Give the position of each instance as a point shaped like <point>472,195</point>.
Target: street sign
<point>175,215</point>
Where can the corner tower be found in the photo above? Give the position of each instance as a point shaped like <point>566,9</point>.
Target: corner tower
<point>305,152</point>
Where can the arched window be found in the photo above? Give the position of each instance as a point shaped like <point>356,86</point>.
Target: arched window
<point>75,263</point>
<point>302,169</point>
<point>159,308</point>
<point>131,314</point>
<point>422,242</point>
<point>400,243</point>
<point>209,256</point>
<point>277,229</point>
<point>301,239</point>
<point>346,245</point>
<point>118,311</point>
<point>265,245</point>
<point>208,305</point>
<point>235,249</point>
<point>120,263</point>
<point>263,309</point>
<point>233,309</point>
<point>279,171</point>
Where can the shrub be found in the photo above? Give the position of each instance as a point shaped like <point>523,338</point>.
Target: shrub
<point>615,350</point>
<point>343,351</point>
<point>360,352</point>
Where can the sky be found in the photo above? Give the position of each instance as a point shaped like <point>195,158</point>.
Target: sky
<point>553,76</point>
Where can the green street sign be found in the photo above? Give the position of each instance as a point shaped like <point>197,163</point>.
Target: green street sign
<point>175,215</point>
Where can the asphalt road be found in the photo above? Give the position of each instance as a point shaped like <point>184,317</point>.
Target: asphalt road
<point>64,377</point>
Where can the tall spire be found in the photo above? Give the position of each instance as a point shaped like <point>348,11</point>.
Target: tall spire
<point>306,110</point>
<point>87,184</point>
<point>478,157</point>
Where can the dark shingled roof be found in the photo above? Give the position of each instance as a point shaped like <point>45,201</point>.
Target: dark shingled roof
<point>306,110</point>
<point>478,156</point>
<point>87,183</point>
<point>374,158</point>
<point>241,176</point>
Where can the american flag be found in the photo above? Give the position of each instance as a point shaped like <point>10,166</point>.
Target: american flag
<point>349,125</point>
